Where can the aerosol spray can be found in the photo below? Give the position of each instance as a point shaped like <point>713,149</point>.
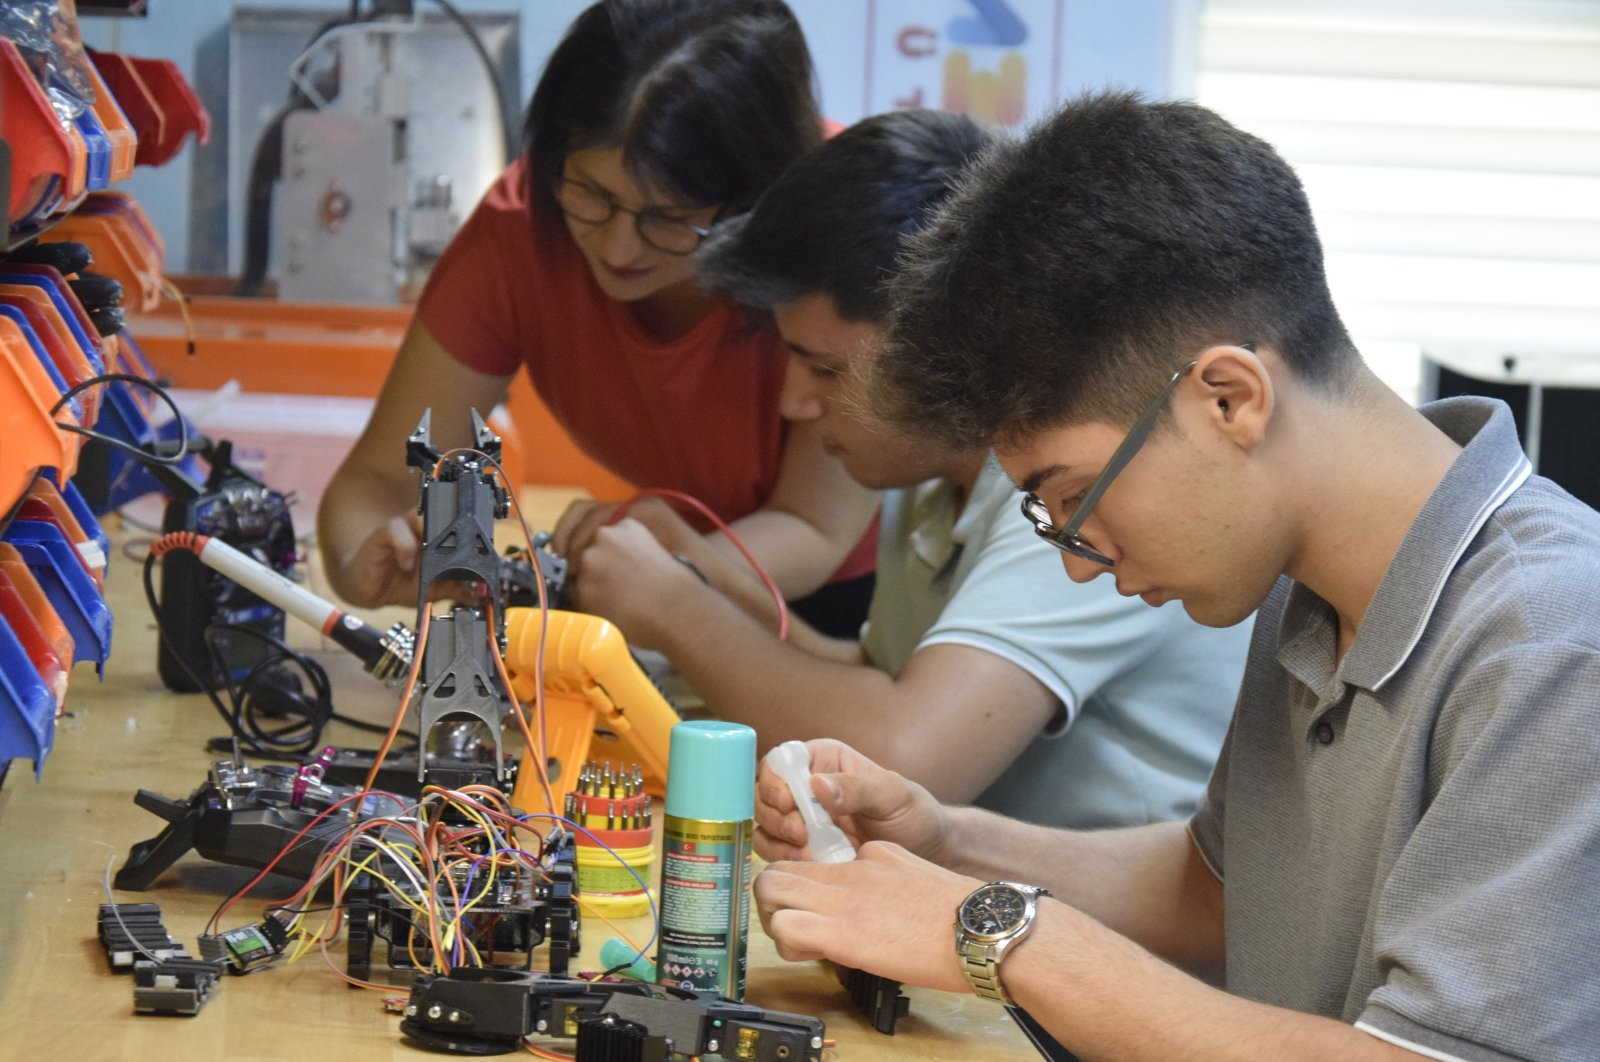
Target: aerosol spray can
<point>706,863</point>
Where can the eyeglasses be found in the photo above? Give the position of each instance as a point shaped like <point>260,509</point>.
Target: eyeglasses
<point>1067,538</point>
<point>584,202</point>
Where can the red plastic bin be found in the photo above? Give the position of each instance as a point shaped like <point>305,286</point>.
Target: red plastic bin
<point>49,160</point>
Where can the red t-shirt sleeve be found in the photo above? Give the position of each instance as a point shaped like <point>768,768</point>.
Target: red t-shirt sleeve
<point>468,303</point>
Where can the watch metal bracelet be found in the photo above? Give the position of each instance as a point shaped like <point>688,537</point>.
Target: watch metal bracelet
<point>982,967</point>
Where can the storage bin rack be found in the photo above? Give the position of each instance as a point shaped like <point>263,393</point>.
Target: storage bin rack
<point>55,185</point>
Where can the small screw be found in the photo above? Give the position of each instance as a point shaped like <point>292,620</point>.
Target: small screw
<point>455,1015</point>
<point>541,1026</point>
<point>411,1011</point>
<point>434,1011</point>
<point>711,1047</point>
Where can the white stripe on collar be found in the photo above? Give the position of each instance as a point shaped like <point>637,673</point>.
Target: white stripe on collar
<point>1425,1052</point>
<point>1516,477</point>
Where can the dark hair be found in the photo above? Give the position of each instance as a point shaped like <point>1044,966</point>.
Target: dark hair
<point>709,99</point>
<point>1077,268</point>
<point>837,218</point>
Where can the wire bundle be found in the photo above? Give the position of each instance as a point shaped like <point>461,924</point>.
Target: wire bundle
<point>450,862</point>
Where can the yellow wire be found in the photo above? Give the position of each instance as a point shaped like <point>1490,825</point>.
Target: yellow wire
<point>173,292</point>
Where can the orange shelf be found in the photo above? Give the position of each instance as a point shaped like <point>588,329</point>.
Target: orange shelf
<point>345,351</point>
<point>122,242</point>
<point>70,359</point>
<point>32,439</point>
<point>124,141</point>
<point>272,346</point>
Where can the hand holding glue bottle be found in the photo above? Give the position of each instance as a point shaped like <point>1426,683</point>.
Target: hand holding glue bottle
<point>792,762</point>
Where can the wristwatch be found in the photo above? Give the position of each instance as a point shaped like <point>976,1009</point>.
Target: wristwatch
<point>989,923</point>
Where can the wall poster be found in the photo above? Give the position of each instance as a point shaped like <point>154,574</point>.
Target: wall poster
<point>997,60</point>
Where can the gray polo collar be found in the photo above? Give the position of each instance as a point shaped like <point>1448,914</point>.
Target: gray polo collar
<point>1490,467</point>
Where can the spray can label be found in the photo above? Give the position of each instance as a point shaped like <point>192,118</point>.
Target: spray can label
<point>705,904</point>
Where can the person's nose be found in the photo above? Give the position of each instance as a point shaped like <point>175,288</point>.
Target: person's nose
<point>802,397</point>
<point>620,242</point>
<point>1080,570</point>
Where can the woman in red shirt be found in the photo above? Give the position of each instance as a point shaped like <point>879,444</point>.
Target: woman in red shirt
<point>653,120</point>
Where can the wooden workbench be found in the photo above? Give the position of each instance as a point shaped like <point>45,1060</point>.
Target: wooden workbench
<point>58,1000</point>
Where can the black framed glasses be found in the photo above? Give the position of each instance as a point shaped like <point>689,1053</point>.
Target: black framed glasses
<point>583,202</point>
<point>1067,538</point>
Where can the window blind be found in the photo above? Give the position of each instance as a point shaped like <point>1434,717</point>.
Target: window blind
<point>1451,151</point>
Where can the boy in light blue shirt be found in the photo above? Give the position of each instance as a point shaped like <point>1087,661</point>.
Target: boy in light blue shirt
<point>980,672</point>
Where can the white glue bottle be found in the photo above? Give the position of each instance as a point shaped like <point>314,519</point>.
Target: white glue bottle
<point>792,762</point>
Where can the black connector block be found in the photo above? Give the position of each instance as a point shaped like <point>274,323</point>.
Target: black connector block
<point>166,979</point>
<point>176,986</point>
<point>879,998</point>
<point>132,932</point>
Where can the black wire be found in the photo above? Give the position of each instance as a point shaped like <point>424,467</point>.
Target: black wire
<point>155,611</point>
<point>372,728</point>
<point>246,735</point>
<point>266,164</point>
<point>248,729</point>
<point>142,454</point>
<point>473,38</point>
<point>296,910</point>
<point>245,718</point>
<point>266,169</point>
<point>16,507</point>
<point>130,548</point>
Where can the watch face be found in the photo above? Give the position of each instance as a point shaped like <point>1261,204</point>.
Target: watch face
<point>994,910</point>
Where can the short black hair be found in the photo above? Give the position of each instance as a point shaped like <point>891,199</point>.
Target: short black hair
<point>1076,269</point>
<point>836,220</point>
<point>709,100</point>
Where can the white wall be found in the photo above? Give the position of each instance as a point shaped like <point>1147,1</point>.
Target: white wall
<point>870,54</point>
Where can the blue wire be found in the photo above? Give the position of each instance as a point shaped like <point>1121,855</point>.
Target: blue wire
<point>655,917</point>
<point>466,890</point>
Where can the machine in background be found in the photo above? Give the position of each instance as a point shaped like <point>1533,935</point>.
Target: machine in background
<point>396,122</point>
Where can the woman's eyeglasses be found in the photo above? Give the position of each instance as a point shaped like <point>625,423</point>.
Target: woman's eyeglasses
<point>583,202</point>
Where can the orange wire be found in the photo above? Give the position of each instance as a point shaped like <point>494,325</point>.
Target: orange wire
<point>620,932</point>
<point>405,699</point>
<point>544,634</point>
<point>173,292</point>
<point>323,945</point>
<point>536,748</point>
<point>540,746</point>
<point>281,853</point>
<point>383,750</point>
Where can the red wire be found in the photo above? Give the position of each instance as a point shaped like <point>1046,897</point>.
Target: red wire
<point>217,918</point>
<point>189,540</point>
<point>701,508</point>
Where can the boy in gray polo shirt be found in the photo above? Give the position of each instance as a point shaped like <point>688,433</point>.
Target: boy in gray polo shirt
<point>1399,852</point>
<point>975,674</point>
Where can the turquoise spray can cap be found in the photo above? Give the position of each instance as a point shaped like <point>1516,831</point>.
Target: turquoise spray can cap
<point>711,771</point>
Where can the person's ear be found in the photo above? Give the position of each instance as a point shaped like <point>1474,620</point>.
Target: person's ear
<point>1238,392</point>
